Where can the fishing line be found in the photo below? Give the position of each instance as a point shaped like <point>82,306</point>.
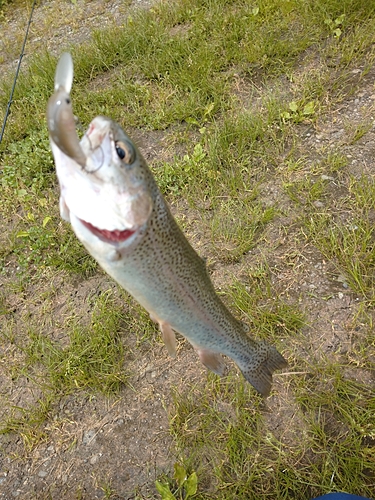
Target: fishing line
<point>17,71</point>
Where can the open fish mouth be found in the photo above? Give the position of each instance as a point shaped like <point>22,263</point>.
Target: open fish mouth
<point>115,236</point>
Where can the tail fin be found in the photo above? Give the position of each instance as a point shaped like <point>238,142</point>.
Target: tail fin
<point>260,374</point>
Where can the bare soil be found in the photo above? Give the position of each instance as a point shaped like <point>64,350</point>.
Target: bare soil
<point>94,441</point>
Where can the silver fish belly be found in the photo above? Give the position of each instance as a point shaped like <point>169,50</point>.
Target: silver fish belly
<point>111,199</point>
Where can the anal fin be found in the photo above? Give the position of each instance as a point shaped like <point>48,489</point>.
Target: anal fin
<point>169,338</point>
<point>212,360</point>
<point>167,334</point>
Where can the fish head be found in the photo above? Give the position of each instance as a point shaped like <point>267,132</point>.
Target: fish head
<point>104,180</point>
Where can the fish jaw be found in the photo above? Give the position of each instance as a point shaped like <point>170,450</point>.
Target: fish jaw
<point>109,200</point>
<point>106,248</point>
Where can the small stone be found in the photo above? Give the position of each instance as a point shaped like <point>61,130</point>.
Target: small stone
<point>338,134</point>
<point>341,295</point>
<point>42,473</point>
<point>94,459</point>
<point>88,436</point>
<point>318,204</point>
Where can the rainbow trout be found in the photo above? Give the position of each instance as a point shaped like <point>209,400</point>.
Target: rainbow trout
<point>110,197</point>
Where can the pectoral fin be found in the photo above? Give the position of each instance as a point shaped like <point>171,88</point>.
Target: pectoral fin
<point>64,210</point>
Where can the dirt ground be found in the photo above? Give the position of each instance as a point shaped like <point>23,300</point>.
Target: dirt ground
<point>125,442</point>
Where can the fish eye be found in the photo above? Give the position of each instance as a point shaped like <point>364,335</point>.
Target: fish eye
<point>125,151</point>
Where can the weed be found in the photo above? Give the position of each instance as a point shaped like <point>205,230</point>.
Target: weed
<point>108,491</point>
<point>335,25</point>
<point>334,162</point>
<point>186,486</point>
<point>298,112</point>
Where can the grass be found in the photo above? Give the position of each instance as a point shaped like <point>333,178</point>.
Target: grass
<point>235,90</point>
<point>91,358</point>
<point>341,227</point>
<point>94,357</point>
<point>248,461</point>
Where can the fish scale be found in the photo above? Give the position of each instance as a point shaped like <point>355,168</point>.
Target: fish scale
<point>110,197</point>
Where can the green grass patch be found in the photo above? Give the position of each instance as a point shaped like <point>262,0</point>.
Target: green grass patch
<point>92,359</point>
<point>351,246</point>
<point>257,303</point>
<point>221,433</point>
<point>341,227</point>
<point>29,422</point>
<point>178,60</point>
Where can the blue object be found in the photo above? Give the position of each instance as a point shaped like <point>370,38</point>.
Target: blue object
<point>341,496</point>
